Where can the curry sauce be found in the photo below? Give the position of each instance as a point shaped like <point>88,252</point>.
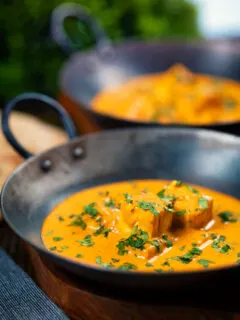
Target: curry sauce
<point>175,96</point>
<point>146,225</point>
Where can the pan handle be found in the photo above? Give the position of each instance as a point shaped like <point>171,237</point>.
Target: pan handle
<point>66,120</point>
<point>73,10</point>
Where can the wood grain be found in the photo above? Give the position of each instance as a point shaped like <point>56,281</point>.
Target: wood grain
<point>79,305</point>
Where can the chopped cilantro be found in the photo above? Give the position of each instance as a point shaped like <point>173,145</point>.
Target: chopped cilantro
<point>166,263</point>
<point>136,240</point>
<point>204,262</point>
<point>89,209</point>
<point>102,231</point>
<point>213,236</point>
<point>110,204</point>
<point>156,244</point>
<point>57,238</point>
<point>148,206</point>
<point>195,251</point>
<point>238,255</point>
<point>121,248</point>
<point>182,248</point>
<point>61,219</point>
<point>78,222</point>
<point>53,248</point>
<point>115,260</point>
<point>159,270</point>
<point>64,247</point>
<point>148,264</point>
<point>226,216</point>
<point>87,241</point>
<point>225,248</point>
<point>181,213</point>
<point>167,241</point>
<point>78,255</point>
<point>179,183</point>
<point>238,261</point>
<point>203,203</point>
<point>128,197</point>
<point>192,189</point>
<point>186,258</point>
<point>164,196</point>
<point>127,266</point>
<point>103,264</point>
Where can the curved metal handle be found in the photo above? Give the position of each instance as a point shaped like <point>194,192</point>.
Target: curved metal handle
<point>73,10</point>
<point>67,122</point>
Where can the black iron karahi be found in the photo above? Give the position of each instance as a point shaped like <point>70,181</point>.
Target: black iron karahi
<point>87,73</point>
<point>201,157</point>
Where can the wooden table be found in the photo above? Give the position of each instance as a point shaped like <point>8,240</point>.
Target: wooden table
<point>80,305</point>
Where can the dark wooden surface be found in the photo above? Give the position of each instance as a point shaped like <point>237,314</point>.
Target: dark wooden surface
<point>80,305</point>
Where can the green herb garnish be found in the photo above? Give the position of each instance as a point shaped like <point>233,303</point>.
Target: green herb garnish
<point>226,216</point>
<point>156,244</point>
<point>213,236</point>
<point>191,189</point>
<point>79,255</point>
<point>179,183</point>
<point>164,196</point>
<point>148,264</point>
<point>167,241</point>
<point>61,219</point>
<point>225,248</point>
<point>87,241</point>
<point>136,240</point>
<point>204,263</point>
<point>203,203</point>
<point>57,238</point>
<point>159,270</point>
<point>195,251</point>
<point>182,248</point>
<point>53,248</point>
<point>110,204</point>
<point>89,209</point>
<point>181,213</point>
<point>128,197</point>
<point>148,206</point>
<point>102,231</point>
<point>103,264</point>
<point>127,267</point>
<point>78,222</point>
<point>115,260</point>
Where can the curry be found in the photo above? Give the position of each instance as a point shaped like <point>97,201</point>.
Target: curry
<point>146,225</point>
<point>175,96</point>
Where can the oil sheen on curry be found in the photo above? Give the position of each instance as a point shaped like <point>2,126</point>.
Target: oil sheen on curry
<point>146,225</point>
<point>174,96</point>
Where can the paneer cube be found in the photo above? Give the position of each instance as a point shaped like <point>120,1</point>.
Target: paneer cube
<point>192,209</point>
<point>146,210</point>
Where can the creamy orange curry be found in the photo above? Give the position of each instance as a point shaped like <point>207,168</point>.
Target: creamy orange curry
<point>174,96</point>
<point>146,225</point>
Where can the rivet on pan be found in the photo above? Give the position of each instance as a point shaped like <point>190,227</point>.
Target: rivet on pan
<point>77,152</point>
<point>46,165</point>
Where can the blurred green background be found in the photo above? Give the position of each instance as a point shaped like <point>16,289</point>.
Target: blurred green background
<point>29,60</point>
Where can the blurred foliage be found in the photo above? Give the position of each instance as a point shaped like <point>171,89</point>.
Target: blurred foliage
<point>29,60</point>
